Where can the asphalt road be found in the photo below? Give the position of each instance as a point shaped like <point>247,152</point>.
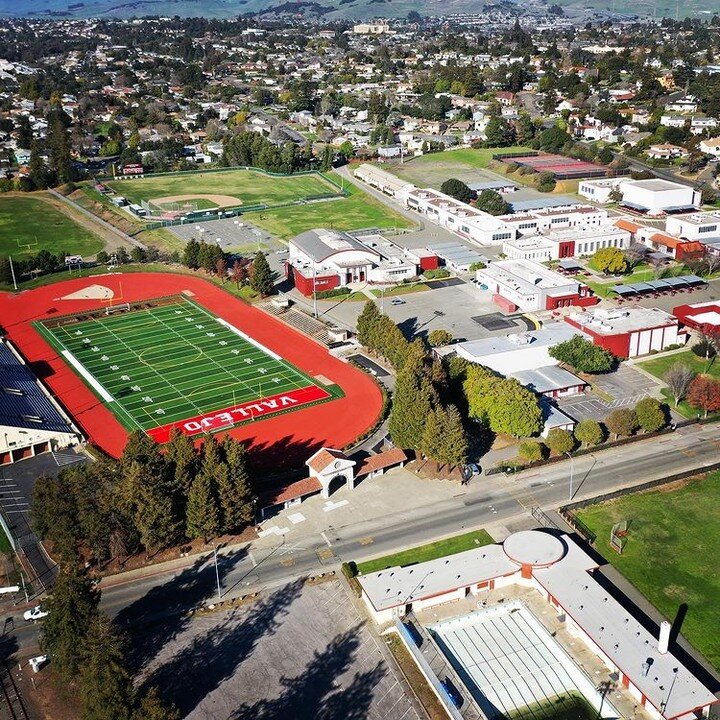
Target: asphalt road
<point>268,563</point>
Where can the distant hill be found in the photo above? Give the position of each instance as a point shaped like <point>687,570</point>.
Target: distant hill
<point>329,9</point>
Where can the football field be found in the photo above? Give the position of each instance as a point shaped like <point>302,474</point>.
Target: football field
<point>175,365</point>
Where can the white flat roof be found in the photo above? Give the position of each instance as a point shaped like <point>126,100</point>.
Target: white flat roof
<point>655,185</point>
<point>565,570</point>
<point>623,320</point>
<point>397,586</point>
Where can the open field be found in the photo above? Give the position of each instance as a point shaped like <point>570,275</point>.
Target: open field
<point>659,366</point>
<point>248,186</point>
<point>356,211</point>
<point>433,169</point>
<point>177,365</point>
<point>423,553</point>
<point>671,552</point>
<point>30,223</point>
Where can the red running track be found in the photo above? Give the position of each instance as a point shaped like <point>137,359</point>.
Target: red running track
<point>274,442</point>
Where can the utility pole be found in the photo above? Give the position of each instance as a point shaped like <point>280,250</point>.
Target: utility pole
<point>12,272</point>
<point>217,571</point>
<point>572,467</point>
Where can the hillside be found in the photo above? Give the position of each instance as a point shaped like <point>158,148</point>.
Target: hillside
<point>327,9</point>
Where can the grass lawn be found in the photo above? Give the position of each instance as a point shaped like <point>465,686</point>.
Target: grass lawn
<point>433,169</point>
<point>5,547</point>
<point>659,366</point>
<point>355,212</point>
<point>38,221</point>
<point>671,553</point>
<point>401,290</point>
<point>431,551</point>
<point>248,186</point>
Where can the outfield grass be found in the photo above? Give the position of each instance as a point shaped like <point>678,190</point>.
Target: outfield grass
<point>431,551</point>
<point>248,186</point>
<point>35,220</point>
<point>356,211</point>
<point>671,553</point>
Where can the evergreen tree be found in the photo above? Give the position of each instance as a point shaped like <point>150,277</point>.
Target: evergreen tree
<point>37,172</point>
<point>183,460</point>
<point>242,508</point>
<point>367,325</point>
<point>154,518</point>
<point>106,690</point>
<point>261,279</point>
<point>59,147</point>
<point>191,254</point>
<point>412,400</point>
<point>455,446</point>
<point>151,707</point>
<point>432,441</point>
<point>72,607</point>
<point>203,516</point>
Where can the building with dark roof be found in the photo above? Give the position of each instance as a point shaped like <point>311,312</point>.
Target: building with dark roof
<point>31,421</point>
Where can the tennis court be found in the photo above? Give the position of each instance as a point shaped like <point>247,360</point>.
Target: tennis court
<point>172,364</point>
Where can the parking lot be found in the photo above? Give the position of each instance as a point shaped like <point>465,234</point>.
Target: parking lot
<point>626,386</point>
<point>231,234</point>
<point>455,308</point>
<point>300,651</point>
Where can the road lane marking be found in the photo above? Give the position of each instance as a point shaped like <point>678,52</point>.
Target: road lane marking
<point>325,538</point>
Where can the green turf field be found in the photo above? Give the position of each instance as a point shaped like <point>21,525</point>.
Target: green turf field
<point>671,554</point>
<point>355,212</point>
<point>248,186</point>
<point>29,224</point>
<point>433,169</point>
<point>174,362</point>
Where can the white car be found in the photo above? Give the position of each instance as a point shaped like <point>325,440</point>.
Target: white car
<point>36,613</point>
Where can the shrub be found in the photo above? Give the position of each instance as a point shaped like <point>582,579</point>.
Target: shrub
<point>650,415</point>
<point>546,182</point>
<point>560,441</point>
<point>336,292</point>
<point>438,338</point>
<point>589,432</point>
<point>437,274</point>
<point>531,451</point>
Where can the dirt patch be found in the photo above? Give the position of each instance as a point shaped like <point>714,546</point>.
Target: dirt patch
<point>219,200</point>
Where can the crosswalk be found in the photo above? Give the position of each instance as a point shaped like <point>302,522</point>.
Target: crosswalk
<point>63,459</point>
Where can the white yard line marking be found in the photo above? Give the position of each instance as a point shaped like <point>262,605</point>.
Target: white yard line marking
<point>99,389</point>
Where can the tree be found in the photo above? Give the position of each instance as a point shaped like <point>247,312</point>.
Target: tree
<point>367,324</point>
<point>499,133</point>
<point>492,202</point>
<point>621,422</point>
<point>151,707</point>
<point>650,415</point>
<point>203,516</point>
<point>412,401</point>
<point>137,255</point>
<point>72,607</point>
<point>589,432</point>
<point>261,279</point>
<point>221,268</point>
<point>183,461</point>
<point>457,189</point>
<point>154,517</point>
<point>531,451</point>
<point>546,182</point>
<point>516,410</point>
<point>704,394</point>
<point>241,509</point>
<point>678,379</point>
<point>610,261</point>
<point>106,690</point>
<point>239,273</point>
<point>191,254</point>
<point>438,338</point>
<point>444,438</point>
<point>582,355</point>
<point>560,441</point>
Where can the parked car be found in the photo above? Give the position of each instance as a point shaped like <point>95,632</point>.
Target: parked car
<point>452,691</point>
<point>36,613</point>
<point>397,301</point>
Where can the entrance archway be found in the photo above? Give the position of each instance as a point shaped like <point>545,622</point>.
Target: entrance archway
<point>336,483</point>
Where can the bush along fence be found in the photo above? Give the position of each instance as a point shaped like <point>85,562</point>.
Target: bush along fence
<point>567,512</point>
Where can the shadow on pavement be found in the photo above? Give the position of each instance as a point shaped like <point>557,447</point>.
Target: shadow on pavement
<point>213,656</point>
<point>160,614</point>
<point>314,693</point>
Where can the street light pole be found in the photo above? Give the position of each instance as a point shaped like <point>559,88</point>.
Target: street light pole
<point>217,571</point>
<point>12,272</point>
<point>572,467</point>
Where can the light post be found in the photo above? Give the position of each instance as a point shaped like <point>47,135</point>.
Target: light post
<point>572,467</point>
<point>217,571</point>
